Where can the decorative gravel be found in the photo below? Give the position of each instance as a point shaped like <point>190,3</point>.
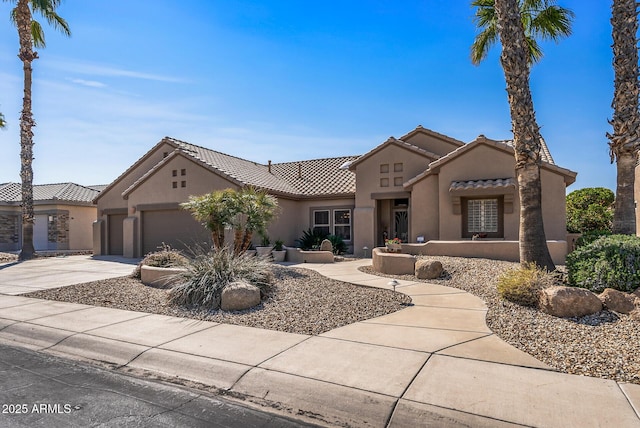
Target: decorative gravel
<point>8,257</point>
<point>606,344</point>
<point>301,301</point>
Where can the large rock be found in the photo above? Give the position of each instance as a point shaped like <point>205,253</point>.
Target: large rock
<point>426,269</point>
<point>618,301</point>
<point>326,245</point>
<point>239,295</point>
<point>569,302</point>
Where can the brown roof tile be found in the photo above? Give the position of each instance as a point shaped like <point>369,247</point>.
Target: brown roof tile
<point>67,192</point>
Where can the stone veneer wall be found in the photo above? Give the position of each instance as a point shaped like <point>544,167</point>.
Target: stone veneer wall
<point>58,229</point>
<point>9,229</point>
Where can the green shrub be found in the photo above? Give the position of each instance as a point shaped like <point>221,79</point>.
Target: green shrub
<point>208,273</point>
<point>608,262</point>
<point>311,239</point>
<point>339,247</point>
<point>522,285</point>
<point>590,236</point>
<point>590,209</point>
<point>164,257</point>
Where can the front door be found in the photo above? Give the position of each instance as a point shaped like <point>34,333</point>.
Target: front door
<point>400,224</point>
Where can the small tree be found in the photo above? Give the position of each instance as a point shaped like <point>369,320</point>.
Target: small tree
<point>258,208</point>
<point>246,210</point>
<point>590,209</point>
<point>3,123</point>
<point>214,211</point>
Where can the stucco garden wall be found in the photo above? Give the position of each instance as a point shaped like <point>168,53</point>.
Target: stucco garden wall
<point>496,250</point>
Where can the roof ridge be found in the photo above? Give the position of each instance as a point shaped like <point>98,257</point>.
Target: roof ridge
<point>215,151</point>
<point>316,159</point>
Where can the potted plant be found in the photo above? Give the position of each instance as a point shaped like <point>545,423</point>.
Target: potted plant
<point>394,245</point>
<point>278,252</point>
<point>265,249</point>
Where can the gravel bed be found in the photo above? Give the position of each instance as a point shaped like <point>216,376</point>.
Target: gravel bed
<point>8,257</point>
<point>605,344</point>
<point>301,301</point>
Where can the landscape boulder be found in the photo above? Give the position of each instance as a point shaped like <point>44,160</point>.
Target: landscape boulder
<point>618,301</point>
<point>426,269</point>
<point>239,295</point>
<point>326,245</point>
<point>569,302</point>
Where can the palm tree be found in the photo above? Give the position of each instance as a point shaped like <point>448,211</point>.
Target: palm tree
<point>215,211</point>
<point>247,210</point>
<point>3,123</point>
<point>515,60</point>
<point>30,34</point>
<point>625,140</point>
<point>542,19</point>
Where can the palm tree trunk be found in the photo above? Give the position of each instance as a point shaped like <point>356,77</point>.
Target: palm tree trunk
<point>526,135</point>
<point>625,140</point>
<point>27,55</point>
<point>624,217</point>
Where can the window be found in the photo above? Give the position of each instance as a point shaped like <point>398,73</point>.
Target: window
<point>384,168</point>
<point>174,184</point>
<point>183,172</point>
<point>483,217</point>
<point>397,167</point>
<point>397,181</point>
<point>183,184</point>
<point>384,182</point>
<point>174,173</point>
<point>342,224</point>
<point>321,221</point>
<point>333,222</point>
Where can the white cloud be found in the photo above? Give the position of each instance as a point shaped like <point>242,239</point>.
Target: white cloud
<point>89,83</point>
<point>109,71</point>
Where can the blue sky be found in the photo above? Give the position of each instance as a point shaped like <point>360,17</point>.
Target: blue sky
<point>289,80</point>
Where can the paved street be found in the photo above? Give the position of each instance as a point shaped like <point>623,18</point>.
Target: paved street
<point>40,390</point>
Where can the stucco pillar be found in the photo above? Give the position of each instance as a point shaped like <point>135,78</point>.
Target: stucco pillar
<point>129,237</point>
<point>363,230</point>
<point>98,237</point>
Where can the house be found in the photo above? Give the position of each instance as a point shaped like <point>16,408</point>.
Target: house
<point>64,214</point>
<point>423,184</point>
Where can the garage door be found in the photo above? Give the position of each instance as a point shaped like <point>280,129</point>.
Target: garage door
<point>176,228</point>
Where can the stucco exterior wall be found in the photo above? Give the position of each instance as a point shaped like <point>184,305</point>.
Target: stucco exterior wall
<point>296,216</point>
<point>112,198</point>
<point>425,209</point>
<point>479,163</point>
<point>554,205</point>
<point>158,189</point>
<point>80,227</point>
<point>370,184</point>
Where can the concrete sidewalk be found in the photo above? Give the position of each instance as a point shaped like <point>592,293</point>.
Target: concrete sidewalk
<point>433,364</point>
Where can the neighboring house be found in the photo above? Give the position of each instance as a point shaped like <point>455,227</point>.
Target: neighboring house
<point>424,184</point>
<point>64,214</point>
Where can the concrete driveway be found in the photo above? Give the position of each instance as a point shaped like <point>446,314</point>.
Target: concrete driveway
<point>53,272</point>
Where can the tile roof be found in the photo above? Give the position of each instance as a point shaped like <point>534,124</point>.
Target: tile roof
<point>67,192</point>
<point>318,177</point>
<point>241,170</point>
<point>545,154</point>
<point>482,184</point>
